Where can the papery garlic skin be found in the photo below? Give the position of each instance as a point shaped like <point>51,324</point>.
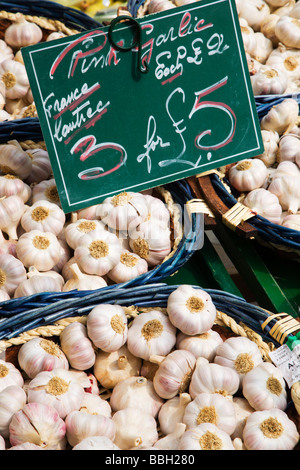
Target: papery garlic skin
<point>213,378</point>
<point>80,425</point>
<point>264,203</point>
<point>205,436</point>
<point>134,428</point>
<point>289,148</point>
<point>270,430</point>
<point>94,404</point>
<point>203,345</point>
<point>270,142</point>
<point>57,389</point>
<point>291,221</point>
<point>171,441</point>
<point>37,284</point>
<point>77,347</point>
<point>211,408</point>
<point>287,30</point>
<point>14,161</point>
<point>12,399</point>
<point>39,355</point>
<point>269,81</point>
<point>46,190</point>
<point>44,216</point>
<point>14,76</point>
<point>191,310</point>
<point>26,446</point>
<point>11,185</point>
<point>107,327</point>
<point>41,165</point>
<point>75,230</point>
<point>11,210</point>
<point>21,33</point>
<point>9,375</point>
<point>12,273</point>
<point>248,174</point>
<point>39,249</point>
<point>281,118</point>
<point>264,387</point>
<point>2,443</point>
<point>39,424</point>
<point>136,392</point>
<point>172,411</point>
<point>287,189</point>
<point>174,373</point>
<point>82,281</point>
<point>151,333</point>
<point>243,410</point>
<point>96,443</point>
<point>151,242</point>
<point>129,267</point>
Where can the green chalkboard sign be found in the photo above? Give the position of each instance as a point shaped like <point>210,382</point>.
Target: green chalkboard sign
<point>144,102</point>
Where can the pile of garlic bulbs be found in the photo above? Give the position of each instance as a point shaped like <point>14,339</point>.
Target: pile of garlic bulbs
<point>269,184</point>
<point>44,250</point>
<point>161,379</point>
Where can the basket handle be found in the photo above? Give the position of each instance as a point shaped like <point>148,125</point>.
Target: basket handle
<point>217,206</point>
<point>209,221</point>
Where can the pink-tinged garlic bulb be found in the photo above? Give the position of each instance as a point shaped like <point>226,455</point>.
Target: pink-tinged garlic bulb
<point>46,190</point>
<point>205,436</point>
<point>9,375</point>
<point>254,12</point>
<point>81,424</point>
<point>174,373</point>
<point>95,405</point>
<point>2,443</point>
<point>88,213</point>
<point>97,253</point>
<point>123,211</point>
<point>286,168</point>
<point>264,203</point>
<point>14,76</point>
<point>12,273</point>
<point>264,387</point>
<point>11,185</point>
<point>39,424</point>
<point>39,249</point>
<point>248,174</point>
<point>129,267</point>
<point>160,5</point>
<point>77,347</point>
<point>291,221</point>
<point>270,430</point>
<point>151,242</point>
<point>191,310</point>
<point>202,345</point>
<point>270,142</point>
<point>136,392</point>
<point>32,271</point>
<point>37,284</point>
<point>75,230</point>
<point>11,210</point>
<point>4,295</point>
<point>22,33</point>
<point>96,443</point>
<point>134,428</point>
<point>213,378</point>
<point>287,31</point>
<point>239,353</point>
<point>151,333</point>
<point>269,81</point>
<point>6,51</point>
<point>65,255</point>
<point>107,327</point>
<point>158,211</point>
<point>40,354</point>
<point>82,281</point>
<point>282,117</point>
<point>211,408</point>
<point>41,165</point>
<point>44,216</point>
<point>172,411</point>
<point>58,389</point>
<point>289,148</point>
<point>287,189</point>
<point>14,161</point>
<point>26,446</point>
<point>12,399</point>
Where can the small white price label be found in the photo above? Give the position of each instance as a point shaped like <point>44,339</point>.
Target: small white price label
<point>288,362</point>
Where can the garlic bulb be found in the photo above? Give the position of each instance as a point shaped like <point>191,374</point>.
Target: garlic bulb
<point>40,354</point>
<point>151,242</point>
<point>270,430</point>
<point>269,81</point>
<point>12,273</point>
<point>267,27</point>
<point>14,161</point>
<point>282,117</point>
<point>171,441</point>
<point>26,446</point>
<point>134,428</point>
<point>77,346</point>
<point>248,174</point>
<point>14,76</point>
<point>80,425</point>
<point>96,443</point>
<point>32,272</point>
<point>239,353</point>
<point>95,405</point>
<point>37,284</point>
<point>159,5</point>
<point>264,203</point>
<point>287,30</point>
<point>9,375</point>
<point>213,378</point>
<point>151,333</point>
<point>22,33</point>
<point>291,221</point>
<point>2,443</point>
<point>203,345</point>
<point>65,255</point>
<point>38,424</point>
<point>286,168</point>
<point>107,327</point>
<point>253,11</point>
<point>172,411</point>
<point>206,436</point>
<point>6,51</point>
<point>287,60</point>
<point>82,281</point>
<point>11,210</point>
<point>191,310</point>
<point>211,408</point>
<point>287,189</point>
<point>123,211</point>
<point>129,267</point>
<point>46,190</point>
<point>97,253</point>
<point>270,142</point>
<point>44,216</point>
<point>12,399</point>
<point>111,368</point>
<point>174,373</point>
<point>41,165</point>
<point>264,387</point>
<point>39,249</point>
<point>11,185</point>
<point>136,392</point>
<point>4,295</point>
<point>75,230</point>
<point>243,411</point>
<point>289,148</point>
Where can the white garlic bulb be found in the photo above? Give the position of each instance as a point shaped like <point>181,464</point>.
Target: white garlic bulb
<point>151,333</point>
<point>46,190</point>
<point>75,230</point>
<point>202,345</point>
<point>14,161</point>
<point>22,33</point>
<point>270,142</point>
<point>291,221</point>
<point>151,242</point>
<point>248,174</point>
<point>12,273</point>
<point>243,410</point>
<point>2,443</point>
<point>253,11</point>
<point>107,327</point>
<point>77,346</point>
<point>6,51</point>
<point>96,405</point>
<point>14,76</point>
<point>269,81</point>
<point>213,378</point>
<point>39,249</point>
<point>44,216</point>
<point>9,375</point>
<point>282,117</point>
<point>205,436</point>
<point>11,210</point>
<point>287,60</point>
<point>264,203</point>
<point>134,428</point>
<point>287,30</point>
<point>38,424</point>
<point>289,148</point>
<point>287,189</point>
<point>37,284</point>
<point>129,267</point>
<point>96,443</point>
<point>172,411</point>
<point>82,281</point>
<point>171,441</point>
<point>41,165</point>
<point>40,354</point>
<point>80,425</point>
<point>11,185</point>
<point>12,399</point>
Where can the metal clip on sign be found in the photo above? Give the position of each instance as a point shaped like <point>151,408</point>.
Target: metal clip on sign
<point>142,65</point>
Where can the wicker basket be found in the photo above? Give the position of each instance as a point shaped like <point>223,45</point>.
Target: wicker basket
<point>235,317</point>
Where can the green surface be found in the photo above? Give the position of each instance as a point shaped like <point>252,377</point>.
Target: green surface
<point>109,128</point>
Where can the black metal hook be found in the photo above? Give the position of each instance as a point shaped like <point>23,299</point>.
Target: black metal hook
<point>142,65</point>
